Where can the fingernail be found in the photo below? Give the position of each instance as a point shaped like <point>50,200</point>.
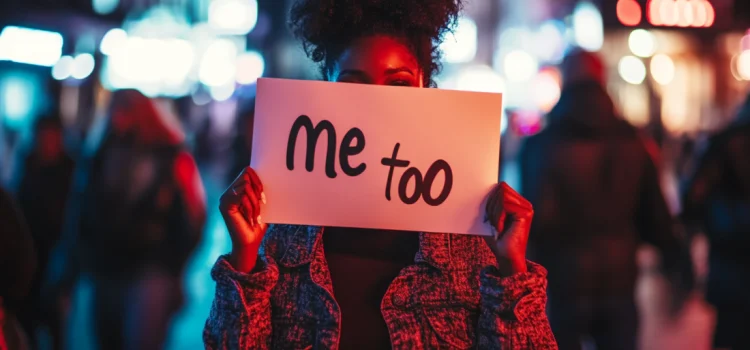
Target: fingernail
<point>263,197</point>
<point>258,220</point>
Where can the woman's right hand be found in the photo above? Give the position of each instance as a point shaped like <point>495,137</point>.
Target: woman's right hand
<point>240,208</point>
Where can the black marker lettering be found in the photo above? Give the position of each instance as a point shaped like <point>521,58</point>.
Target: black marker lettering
<point>392,163</point>
<point>422,185</point>
<point>430,177</point>
<point>355,134</point>
<point>408,174</point>
<point>312,139</point>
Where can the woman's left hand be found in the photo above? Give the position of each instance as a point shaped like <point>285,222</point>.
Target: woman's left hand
<point>510,214</point>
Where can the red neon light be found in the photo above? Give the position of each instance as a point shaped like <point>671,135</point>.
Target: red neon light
<point>682,13</point>
<point>629,12</point>
<point>710,15</point>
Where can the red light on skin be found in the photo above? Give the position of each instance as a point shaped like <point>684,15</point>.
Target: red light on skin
<point>629,12</point>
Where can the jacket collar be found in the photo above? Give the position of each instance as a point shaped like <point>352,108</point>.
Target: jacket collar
<point>441,250</point>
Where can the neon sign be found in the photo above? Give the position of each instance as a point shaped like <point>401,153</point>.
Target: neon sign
<point>668,13</point>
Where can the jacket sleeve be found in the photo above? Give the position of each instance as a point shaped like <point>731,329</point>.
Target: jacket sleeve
<point>240,316</point>
<point>512,310</point>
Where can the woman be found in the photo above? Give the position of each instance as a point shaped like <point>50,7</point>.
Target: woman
<point>392,289</point>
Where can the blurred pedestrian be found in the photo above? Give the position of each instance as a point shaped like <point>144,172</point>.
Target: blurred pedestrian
<point>595,188</point>
<point>17,267</point>
<point>43,193</point>
<point>717,200</point>
<point>139,215</point>
<point>242,142</point>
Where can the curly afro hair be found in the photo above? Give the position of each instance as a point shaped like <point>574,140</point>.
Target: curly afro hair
<point>327,27</point>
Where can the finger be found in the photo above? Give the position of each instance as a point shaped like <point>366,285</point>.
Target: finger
<point>500,225</point>
<point>516,200</point>
<point>255,181</point>
<point>229,201</point>
<point>510,192</point>
<point>254,201</point>
<point>237,190</point>
<point>517,210</point>
<point>241,178</point>
<point>239,183</point>
<point>247,210</point>
<point>519,200</point>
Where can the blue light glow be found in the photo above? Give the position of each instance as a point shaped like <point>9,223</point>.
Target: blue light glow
<point>17,95</point>
<point>30,46</point>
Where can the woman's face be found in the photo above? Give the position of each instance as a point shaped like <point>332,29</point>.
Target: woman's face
<point>379,60</point>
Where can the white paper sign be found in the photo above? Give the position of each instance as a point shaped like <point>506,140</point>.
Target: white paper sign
<point>386,157</point>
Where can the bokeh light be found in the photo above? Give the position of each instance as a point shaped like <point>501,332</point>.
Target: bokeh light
<point>233,16</point>
<point>745,42</point>
<point>547,89</point>
<point>588,26</point>
<point>461,46</point>
<point>112,40</point>
<point>17,99</point>
<point>743,65</point>
<point>222,93</point>
<point>217,67</point>
<point>30,46</point>
<point>682,13</point>
<point>479,78</point>
<point>250,67</point>
<point>520,65</point>
<point>104,7</point>
<point>549,41</point>
<point>629,12</point>
<point>662,69</point>
<point>63,69</point>
<point>632,70</point>
<point>154,66</point>
<point>642,43</point>
<point>83,66</point>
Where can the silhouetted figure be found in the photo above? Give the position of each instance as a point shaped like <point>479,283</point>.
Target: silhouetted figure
<point>595,188</point>
<point>17,268</point>
<point>139,216</point>
<point>43,194</point>
<point>242,143</point>
<point>717,199</point>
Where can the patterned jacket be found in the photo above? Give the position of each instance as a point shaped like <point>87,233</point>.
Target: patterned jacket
<point>451,298</point>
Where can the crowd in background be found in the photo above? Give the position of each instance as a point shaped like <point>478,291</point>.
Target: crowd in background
<point>126,211</point>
